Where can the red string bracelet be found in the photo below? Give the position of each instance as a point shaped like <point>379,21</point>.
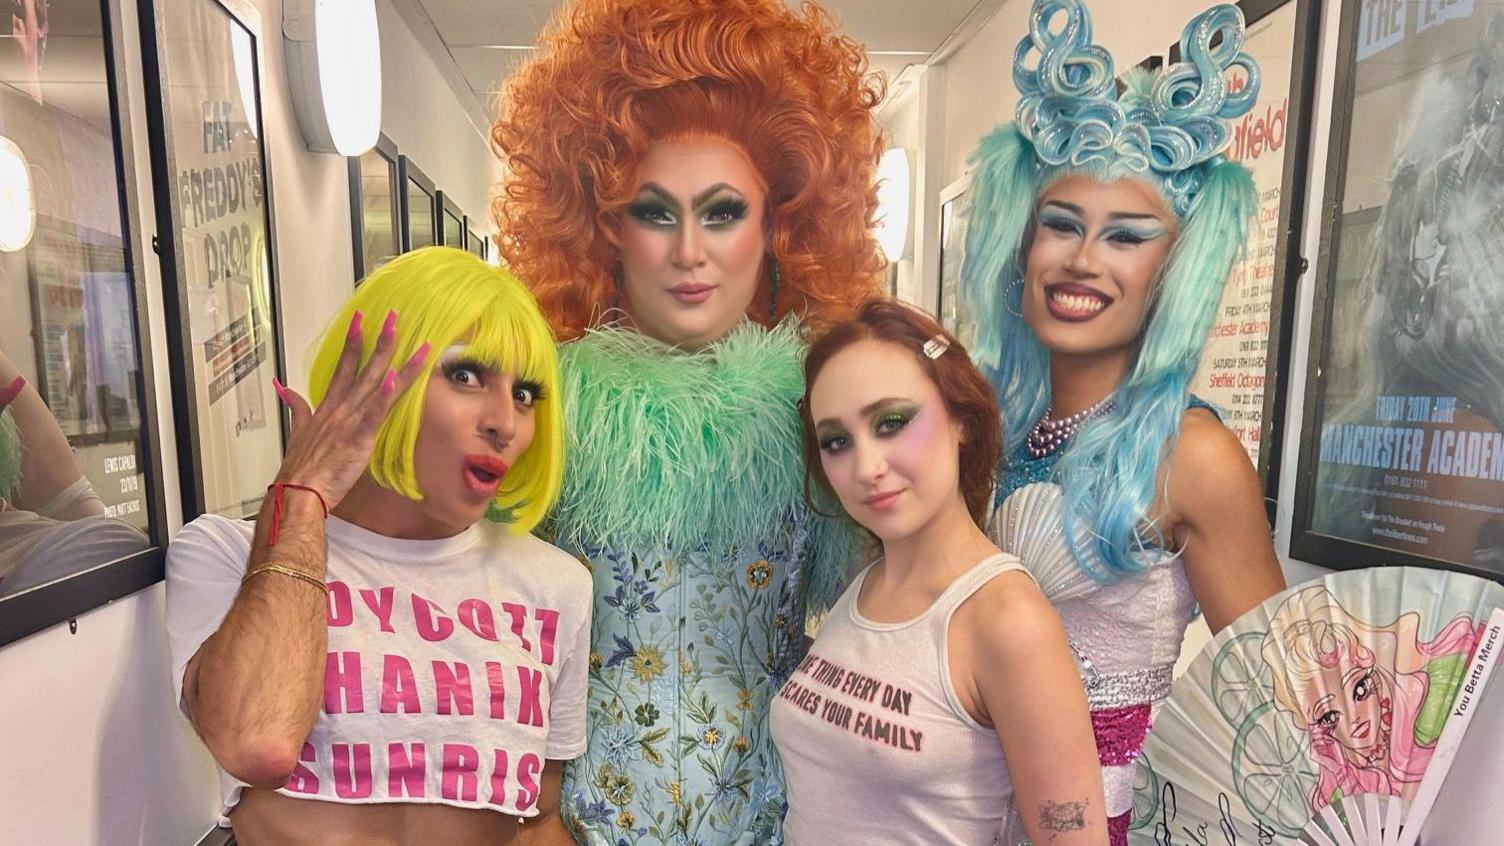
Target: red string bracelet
<point>276,488</point>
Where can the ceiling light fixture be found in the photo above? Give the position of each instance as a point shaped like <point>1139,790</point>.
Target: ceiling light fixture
<point>334,69</point>
<point>18,211</point>
<point>893,196</point>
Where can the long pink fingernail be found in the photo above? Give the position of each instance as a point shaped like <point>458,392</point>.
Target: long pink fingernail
<point>389,328</point>
<point>355,325</point>
<point>12,391</point>
<point>281,391</point>
<point>389,382</point>
<point>422,354</point>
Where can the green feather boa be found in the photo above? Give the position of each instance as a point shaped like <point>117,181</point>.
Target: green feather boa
<point>682,449</point>
<point>10,456</point>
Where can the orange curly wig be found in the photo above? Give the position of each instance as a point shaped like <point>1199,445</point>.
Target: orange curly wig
<point>611,77</point>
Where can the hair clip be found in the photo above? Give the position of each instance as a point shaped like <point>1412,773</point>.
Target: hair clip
<point>936,346</point>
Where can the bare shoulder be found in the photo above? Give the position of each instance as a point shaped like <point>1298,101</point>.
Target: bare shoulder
<point>1208,457</point>
<point>1205,444</point>
<point>1009,617</point>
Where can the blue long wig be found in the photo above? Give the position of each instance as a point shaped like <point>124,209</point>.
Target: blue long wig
<point>1168,131</point>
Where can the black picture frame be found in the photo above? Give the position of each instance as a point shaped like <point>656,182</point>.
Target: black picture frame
<point>98,256</point>
<point>476,243</point>
<point>1289,264</point>
<point>950,306</point>
<point>387,150</point>
<point>410,174</point>
<point>154,20</point>
<point>65,599</point>
<point>451,221</point>
<point>1306,542</point>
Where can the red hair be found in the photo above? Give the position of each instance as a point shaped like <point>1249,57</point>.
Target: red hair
<point>965,391</point>
<point>612,77</point>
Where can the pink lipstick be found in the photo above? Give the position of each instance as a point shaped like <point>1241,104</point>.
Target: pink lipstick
<point>692,293</point>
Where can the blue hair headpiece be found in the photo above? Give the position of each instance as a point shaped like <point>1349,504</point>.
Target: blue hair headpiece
<point>1167,130</point>
<point>1162,129</point>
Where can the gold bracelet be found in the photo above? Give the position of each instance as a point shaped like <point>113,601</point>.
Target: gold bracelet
<point>287,571</point>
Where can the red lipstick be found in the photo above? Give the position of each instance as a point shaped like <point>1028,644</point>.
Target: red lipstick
<point>483,473</point>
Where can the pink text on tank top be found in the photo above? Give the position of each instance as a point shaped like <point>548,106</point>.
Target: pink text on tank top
<point>878,725</point>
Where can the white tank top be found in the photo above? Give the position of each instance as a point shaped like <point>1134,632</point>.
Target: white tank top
<point>876,745</point>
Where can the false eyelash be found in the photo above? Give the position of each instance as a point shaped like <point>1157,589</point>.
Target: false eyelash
<point>455,365</point>
<point>730,206</point>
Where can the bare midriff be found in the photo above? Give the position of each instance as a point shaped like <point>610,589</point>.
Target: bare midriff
<point>267,817</point>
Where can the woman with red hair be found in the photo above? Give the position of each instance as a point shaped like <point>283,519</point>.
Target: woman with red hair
<point>940,704</point>
<point>690,188</point>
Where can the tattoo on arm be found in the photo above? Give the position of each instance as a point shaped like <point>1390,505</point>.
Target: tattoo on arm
<point>1060,817</point>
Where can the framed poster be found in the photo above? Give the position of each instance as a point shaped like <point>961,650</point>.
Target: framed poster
<point>217,245</point>
<point>82,513</point>
<point>474,242</point>
<point>1402,447</point>
<point>950,306</point>
<point>1243,368</point>
<point>84,331</point>
<point>452,233</point>
<point>419,207</point>
<point>375,207</point>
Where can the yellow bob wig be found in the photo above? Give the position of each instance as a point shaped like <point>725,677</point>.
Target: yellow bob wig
<point>441,295</point>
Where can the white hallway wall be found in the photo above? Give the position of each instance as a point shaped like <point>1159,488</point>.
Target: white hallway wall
<point>95,750</point>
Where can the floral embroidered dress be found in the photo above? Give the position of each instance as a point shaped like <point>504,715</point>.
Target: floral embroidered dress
<point>684,495</point>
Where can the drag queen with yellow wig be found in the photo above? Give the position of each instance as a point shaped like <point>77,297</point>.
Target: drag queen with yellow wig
<point>370,660</point>
<point>1102,230</point>
<point>691,185</point>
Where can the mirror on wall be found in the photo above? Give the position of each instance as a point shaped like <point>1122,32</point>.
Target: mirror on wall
<point>375,207</point>
<point>419,204</point>
<point>80,504</point>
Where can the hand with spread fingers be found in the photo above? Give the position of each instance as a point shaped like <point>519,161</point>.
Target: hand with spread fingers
<point>331,446</point>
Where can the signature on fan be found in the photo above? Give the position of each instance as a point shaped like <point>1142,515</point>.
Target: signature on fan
<point>1201,834</point>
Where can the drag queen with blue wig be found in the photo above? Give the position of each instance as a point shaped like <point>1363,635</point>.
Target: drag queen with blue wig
<point>1102,229</point>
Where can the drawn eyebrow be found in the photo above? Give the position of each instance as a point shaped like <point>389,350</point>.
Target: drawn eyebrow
<point>661,193</point>
<point>1070,207</point>
<point>1119,215</point>
<point>866,410</point>
<point>708,194</point>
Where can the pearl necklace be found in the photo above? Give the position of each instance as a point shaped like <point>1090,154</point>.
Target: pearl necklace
<point>1048,436</point>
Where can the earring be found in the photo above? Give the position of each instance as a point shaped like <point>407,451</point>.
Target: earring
<point>616,275</point>
<point>1008,298</point>
<point>775,278</point>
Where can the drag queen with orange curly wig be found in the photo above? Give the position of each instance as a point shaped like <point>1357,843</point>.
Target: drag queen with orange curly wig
<point>690,190</point>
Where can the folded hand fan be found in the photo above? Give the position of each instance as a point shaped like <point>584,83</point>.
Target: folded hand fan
<point>1329,715</point>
